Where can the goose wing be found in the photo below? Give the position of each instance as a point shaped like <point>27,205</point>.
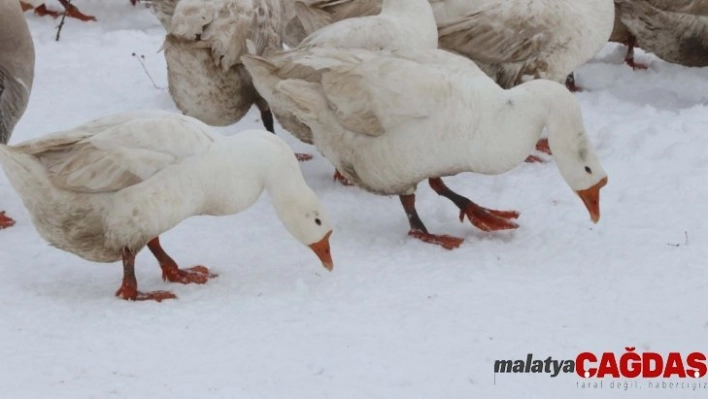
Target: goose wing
<point>499,32</point>
<point>113,153</point>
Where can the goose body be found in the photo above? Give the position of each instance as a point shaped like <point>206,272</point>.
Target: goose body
<point>376,117</point>
<point>292,30</point>
<point>316,14</point>
<point>400,24</point>
<point>16,73</point>
<point>675,30</point>
<point>16,66</point>
<point>163,10</point>
<point>203,47</point>
<point>117,183</point>
<point>513,41</point>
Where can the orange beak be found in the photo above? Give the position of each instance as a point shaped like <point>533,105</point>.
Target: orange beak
<point>591,199</point>
<point>321,249</point>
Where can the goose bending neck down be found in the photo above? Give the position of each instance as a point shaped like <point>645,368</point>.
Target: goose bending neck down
<point>106,189</point>
<point>362,108</point>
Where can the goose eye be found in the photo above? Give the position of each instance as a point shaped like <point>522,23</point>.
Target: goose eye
<point>318,221</point>
<point>587,169</point>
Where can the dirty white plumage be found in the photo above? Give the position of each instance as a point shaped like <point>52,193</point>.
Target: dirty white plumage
<point>203,47</point>
<point>518,40</point>
<point>120,181</point>
<point>511,40</point>
<point>675,30</point>
<point>400,24</point>
<point>377,117</point>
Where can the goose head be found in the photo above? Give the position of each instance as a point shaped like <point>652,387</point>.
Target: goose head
<point>574,154</point>
<point>305,218</point>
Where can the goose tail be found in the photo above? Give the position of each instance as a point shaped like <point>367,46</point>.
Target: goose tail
<point>263,73</point>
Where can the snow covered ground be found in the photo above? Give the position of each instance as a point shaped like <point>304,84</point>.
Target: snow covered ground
<point>396,318</point>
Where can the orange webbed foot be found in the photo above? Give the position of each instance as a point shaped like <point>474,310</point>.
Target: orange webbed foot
<point>5,221</point>
<point>73,12</point>
<point>445,241</point>
<point>132,294</point>
<point>192,275</point>
<point>43,11</point>
<point>636,65</point>
<point>489,219</point>
<point>534,159</point>
<point>543,146</point>
<point>303,157</point>
<point>341,179</point>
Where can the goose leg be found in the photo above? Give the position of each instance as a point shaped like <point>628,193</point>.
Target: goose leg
<point>129,289</point>
<point>269,124</point>
<point>570,83</point>
<point>484,219</point>
<point>172,273</point>
<point>5,221</point>
<point>266,115</point>
<point>629,58</point>
<point>418,229</point>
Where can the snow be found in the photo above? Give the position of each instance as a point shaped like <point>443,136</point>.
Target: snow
<point>396,317</point>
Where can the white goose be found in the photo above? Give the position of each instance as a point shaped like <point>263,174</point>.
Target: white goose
<point>106,189</point>
<point>203,48</point>
<point>376,117</point>
<point>512,40</point>
<point>16,73</point>
<point>518,40</point>
<point>401,24</point>
<point>675,30</point>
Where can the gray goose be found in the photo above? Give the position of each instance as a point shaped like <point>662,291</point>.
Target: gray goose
<point>16,73</point>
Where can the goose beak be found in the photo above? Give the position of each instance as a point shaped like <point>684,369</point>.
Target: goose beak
<point>591,199</point>
<point>321,249</point>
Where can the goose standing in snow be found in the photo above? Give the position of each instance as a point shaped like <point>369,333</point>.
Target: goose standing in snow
<point>108,188</point>
<point>376,116</point>
<point>16,73</point>
<point>675,30</point>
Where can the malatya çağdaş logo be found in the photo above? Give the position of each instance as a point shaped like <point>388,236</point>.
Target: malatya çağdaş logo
<point>609,365</point>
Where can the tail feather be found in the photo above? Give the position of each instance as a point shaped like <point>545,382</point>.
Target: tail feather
<point>263,73</point>
<point>312,18</point>
<point>26,175</point>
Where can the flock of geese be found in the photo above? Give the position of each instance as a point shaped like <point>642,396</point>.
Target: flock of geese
<point>391,92</point>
